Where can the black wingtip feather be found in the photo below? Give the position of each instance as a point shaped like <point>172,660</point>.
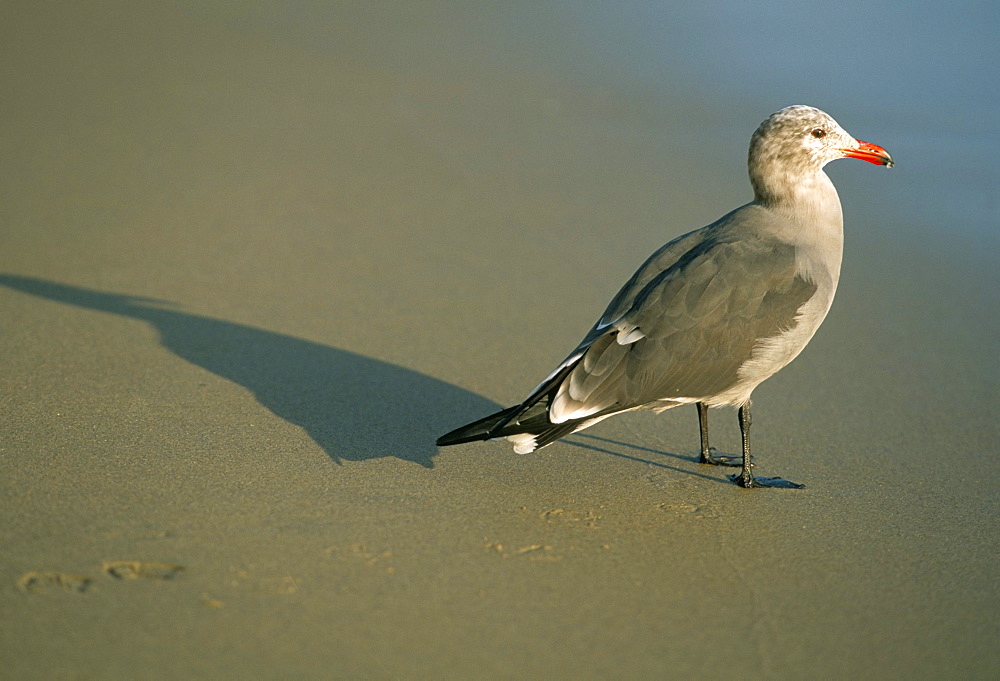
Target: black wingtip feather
<point>483,429</point>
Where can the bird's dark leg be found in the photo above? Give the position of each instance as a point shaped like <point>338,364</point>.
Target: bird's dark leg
<point>708,453</point>
<point>746,478</point>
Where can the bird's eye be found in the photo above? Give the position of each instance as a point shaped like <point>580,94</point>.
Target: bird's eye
<point>818,133</point>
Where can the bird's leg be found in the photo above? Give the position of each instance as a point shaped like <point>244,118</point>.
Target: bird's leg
<point>708,453</point>
<point>746,478</point>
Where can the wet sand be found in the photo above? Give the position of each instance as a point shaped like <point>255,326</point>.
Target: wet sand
<point>250,268</point>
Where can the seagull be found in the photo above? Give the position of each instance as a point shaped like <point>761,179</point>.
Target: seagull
<point>713,313</point>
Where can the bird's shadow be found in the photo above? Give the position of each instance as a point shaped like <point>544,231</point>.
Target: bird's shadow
<point>659,453</point>
<point>354,407</point>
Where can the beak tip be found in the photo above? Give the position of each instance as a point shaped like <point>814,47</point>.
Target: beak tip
<point>872,153</point>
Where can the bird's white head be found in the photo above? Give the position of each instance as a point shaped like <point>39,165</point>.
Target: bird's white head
<point>797,142</point>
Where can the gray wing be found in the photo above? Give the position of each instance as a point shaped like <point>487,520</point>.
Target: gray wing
<point>659,262</point>
<point>684,331</point>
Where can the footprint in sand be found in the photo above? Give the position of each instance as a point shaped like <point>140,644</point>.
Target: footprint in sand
<point>689,510</point>
<point>138,569</point>
<point>362,553</point>
<point>41,581</point>
<point>49,581</point>
<point>533,552</point>
<point>568,516</point>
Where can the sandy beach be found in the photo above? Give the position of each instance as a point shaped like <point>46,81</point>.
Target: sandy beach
<point>255,258</point>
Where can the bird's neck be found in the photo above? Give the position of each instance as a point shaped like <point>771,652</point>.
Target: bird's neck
<point>812,220</point>
<point>808,199</point>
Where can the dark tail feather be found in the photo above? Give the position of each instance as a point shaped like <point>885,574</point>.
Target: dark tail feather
<point>483,429</point>
<point>512,421</point>
<point>553,433</point>
<point>531,416</point>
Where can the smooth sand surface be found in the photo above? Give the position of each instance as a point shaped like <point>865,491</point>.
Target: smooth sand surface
<point>251,266</point>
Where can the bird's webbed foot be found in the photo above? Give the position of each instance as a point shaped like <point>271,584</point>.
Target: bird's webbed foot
<point>713,459</point>
<point>744,480</point>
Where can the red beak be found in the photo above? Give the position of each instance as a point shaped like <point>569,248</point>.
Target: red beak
<point>872,153</point>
